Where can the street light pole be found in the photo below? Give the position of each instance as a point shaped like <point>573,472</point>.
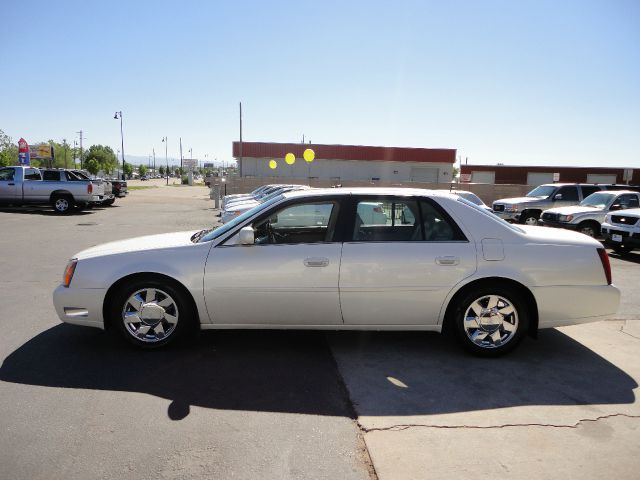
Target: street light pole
<point>166,157</point>
<point>116,116</point>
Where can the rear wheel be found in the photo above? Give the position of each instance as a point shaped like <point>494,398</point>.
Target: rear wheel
<point>62,203</point>
<point>151,313</point>
<point>491,320</point>
<point>108,203</point>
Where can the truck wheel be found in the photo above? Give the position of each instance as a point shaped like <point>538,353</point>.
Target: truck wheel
<point>530,218</point>
<point>108,203</point>
<point>62,203</point>
<point>589,228</point>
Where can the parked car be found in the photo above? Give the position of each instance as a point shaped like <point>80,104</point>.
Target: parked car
<point>473,198</point>
<point>528,209</point>
<point>119,188</point>
<point>455,267</point>
<point>256,194</point>
<point>237,208</point>
<point>587,217</point>
<point>621,230</point>
<point>20,185</point>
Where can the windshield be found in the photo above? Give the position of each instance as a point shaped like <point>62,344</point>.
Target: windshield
<point>597,200</point>
<point>541,191</point>
<point>227,227</point>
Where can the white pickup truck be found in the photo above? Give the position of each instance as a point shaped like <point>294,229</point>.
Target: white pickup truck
<point>21,185</point>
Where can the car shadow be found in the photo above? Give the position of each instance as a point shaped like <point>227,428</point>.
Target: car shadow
<point>398,373</point>
<point>42,211</point>
<point>295,372</point>
<point>631,257</point>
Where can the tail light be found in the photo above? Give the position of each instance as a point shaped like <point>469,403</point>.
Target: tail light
<point>90,188</point>
<point>606,265</point>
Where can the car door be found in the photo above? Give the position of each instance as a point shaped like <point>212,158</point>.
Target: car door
<point>400,271</point>
<point>566,196</point>
<point>289,276</point>
<point>8,187</point>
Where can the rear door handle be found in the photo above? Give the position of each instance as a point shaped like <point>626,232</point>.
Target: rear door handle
<point>11,184</point>
<point>316,262</point>
<point>447,260</point>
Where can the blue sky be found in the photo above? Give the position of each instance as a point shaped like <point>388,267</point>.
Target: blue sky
<point>515,82</point>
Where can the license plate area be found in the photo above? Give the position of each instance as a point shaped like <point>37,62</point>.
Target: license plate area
<point>616,238</point>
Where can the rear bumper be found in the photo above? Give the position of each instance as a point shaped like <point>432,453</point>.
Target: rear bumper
<point>559,306</point>
<point>80,306</point>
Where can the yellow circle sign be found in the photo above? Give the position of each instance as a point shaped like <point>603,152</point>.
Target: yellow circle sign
<point>290,158</point>
<point>273,164</point>
<point>309,155</point>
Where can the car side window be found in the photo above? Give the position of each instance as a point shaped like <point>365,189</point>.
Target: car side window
<point>628,200</point>
<point>32,174</point>
<point>437,227</point>
<point>588,190</point>
<point>51,175</point>
<point>7,174</point>
<point>311,222</point>
<point>387,220</point>
<point>568,193</point>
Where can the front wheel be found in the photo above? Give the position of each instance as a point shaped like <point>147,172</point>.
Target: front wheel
<point>530,218</point>
<point>591,229</point>
<point>151,313</point>
<point>491,320</point>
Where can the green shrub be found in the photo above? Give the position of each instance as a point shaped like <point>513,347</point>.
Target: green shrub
<point>185,180</point>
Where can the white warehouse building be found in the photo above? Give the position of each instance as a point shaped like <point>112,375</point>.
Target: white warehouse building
<point>346,162</point>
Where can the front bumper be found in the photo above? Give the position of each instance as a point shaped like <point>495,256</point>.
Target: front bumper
<point>508,216</point>
<point>80,306</point>
<point>628,237</point>
<point>551,223</point>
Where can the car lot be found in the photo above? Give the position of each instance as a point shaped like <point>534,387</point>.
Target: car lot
<point>294,404</point>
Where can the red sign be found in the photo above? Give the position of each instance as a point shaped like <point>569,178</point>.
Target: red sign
<point>23,146</point>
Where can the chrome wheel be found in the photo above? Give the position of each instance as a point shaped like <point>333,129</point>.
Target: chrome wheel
<point>150,315</point>
<point>61,204</point>
<point>490,321</point>
<point>588,230</point>
<point>531,221</point>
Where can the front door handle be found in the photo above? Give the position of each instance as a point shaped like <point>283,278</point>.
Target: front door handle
<point>316,262</point>
<point>448,260</point>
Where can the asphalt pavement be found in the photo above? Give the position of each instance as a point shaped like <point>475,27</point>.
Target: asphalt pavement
<point>272,404</point>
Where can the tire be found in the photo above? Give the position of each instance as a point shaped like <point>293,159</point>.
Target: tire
<point>530,218</point>
<point>62,204</point>
<point>621,249</point>
<point>108,203</point>
<point>151,313</point>
<point>490,331</point>
<point>589,228</point>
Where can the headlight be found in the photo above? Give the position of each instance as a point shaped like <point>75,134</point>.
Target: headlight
<point>565,218</point>
<point>68,272</point>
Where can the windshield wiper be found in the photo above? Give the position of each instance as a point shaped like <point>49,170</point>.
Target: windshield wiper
<point>195,238</point>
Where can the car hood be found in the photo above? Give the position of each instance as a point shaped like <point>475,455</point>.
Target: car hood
<point>573,210</point>
<point>557,236</point>
<point>148,242</point>
<point>519,200</point>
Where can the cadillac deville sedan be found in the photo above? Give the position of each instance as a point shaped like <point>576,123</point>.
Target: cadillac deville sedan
<point>307,260</point>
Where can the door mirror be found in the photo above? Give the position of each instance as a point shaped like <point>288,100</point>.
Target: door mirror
<point>615,206</point>
<point>557,196</point>
<point>247,236</point>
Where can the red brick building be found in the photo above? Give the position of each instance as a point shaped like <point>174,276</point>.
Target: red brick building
<point>537,175</point>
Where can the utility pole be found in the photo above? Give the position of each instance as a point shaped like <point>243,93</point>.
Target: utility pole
<point>240,158</point>
<point>180,155</point>
<point>166,157</point>
<point>80,133</point>
<point>65,146</point>
<point>154,160</point>
<point>118,115</point>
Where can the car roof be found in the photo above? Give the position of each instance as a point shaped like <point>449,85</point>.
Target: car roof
<point>397,191</point>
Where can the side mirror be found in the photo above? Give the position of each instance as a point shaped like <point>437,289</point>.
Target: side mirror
<point>558,196</point>
<point>247,236</point>
<point>615,206</point>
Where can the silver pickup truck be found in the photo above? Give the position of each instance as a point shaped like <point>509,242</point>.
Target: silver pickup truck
<point>528,209</point>
<point>25,186</point>
<point>101,188</point>
<point>588,216</point>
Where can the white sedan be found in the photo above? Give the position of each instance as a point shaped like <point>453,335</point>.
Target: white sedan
<point>308,260</point>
